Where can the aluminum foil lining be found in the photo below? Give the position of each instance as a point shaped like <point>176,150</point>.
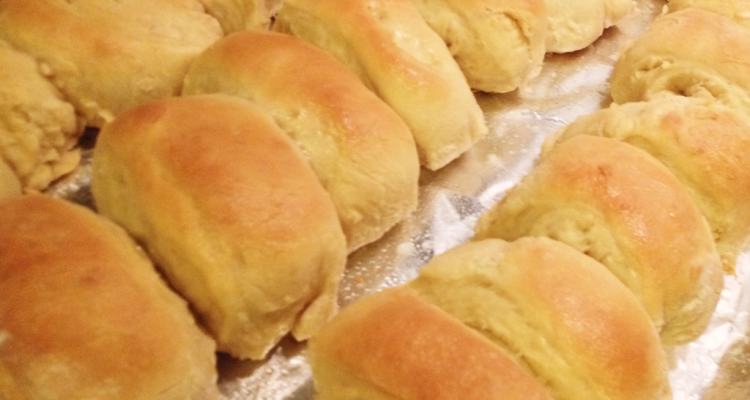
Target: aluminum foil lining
<point>715,367</point>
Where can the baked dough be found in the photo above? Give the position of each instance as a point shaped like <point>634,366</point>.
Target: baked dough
<point>706,146</point>
<point>108,55</point>
<point>394,52</point>
<point>532,319</point>
<point>10,186</point>
<point>393,345</point>
<point>39,130</point>
<point>709,65</point>
<point>359,147</point>
<point>230,211</point>
<point>499,44</point>
<point>574,27</point>
<point>738,10</point>
<point>617,204</point>
<point>239,15</point>
<point>567,319</point>
<point>84,315</point>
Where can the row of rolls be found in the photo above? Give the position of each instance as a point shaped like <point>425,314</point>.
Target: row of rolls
<point>246,163</point>
<point>71,65</point>
<point>580,282</point>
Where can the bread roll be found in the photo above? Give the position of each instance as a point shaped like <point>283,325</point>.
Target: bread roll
<point>394,52</point>
<point>394,345</point>
<point>499,44</point>
<point>738,10</point>
<point>228,208</point>
<point>707,147</point>
<point>533,319</point>
<point>573,28</point>
<point>83,314</point>
<point>359,147</point>
<point>107,55</point>
<point>239,15</point>
<point>709,65</point>
<point>38,128</point>
<point>565,316</point>
<point>620,206</point>
<point>10,186</point>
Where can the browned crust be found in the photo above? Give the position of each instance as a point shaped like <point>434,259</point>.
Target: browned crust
<point>83,313</point>
<point>620,206</point>
<point>230,210</point>
<point>411,350</point>
<point>361,150</point>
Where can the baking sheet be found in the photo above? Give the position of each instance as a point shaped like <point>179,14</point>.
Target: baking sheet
<point>715,367</point>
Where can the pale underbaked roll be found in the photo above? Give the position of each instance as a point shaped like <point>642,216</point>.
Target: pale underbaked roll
<point>106,55</point>
<point>572,28</point>
<point>499,44</point>
<point>738,10</point>
<point>620,206</point>
<point>394,52</point>
<point>239,15</point>
<point>84,315</point>
<point>230,211</point>
<point>38,128</point>
<point>709,65</point>
<point>706,146</point>
<point>533,319</point>
<point>361,150</point>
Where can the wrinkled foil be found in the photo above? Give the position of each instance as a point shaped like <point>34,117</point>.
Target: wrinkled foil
<point>714,367</point>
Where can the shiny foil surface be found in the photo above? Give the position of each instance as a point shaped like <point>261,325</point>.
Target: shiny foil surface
<point>715,367</point>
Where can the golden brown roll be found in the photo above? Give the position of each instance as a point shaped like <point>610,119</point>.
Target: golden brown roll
<point>38,128</point>
<point>572,28</point>
<point>359,147</point>
<point>394,52</point>
<point>533,319</point>
<point>709,65</point>
<point>106,55</point>
<point>499,44</point>
<point>617,204</point>
<point>394,345</point>
<point>239,15</point>
<point>230,211</point>
<point>706,146</point>
<point>10,186</point>
<point>738,10</point>
<point>84,315</point>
